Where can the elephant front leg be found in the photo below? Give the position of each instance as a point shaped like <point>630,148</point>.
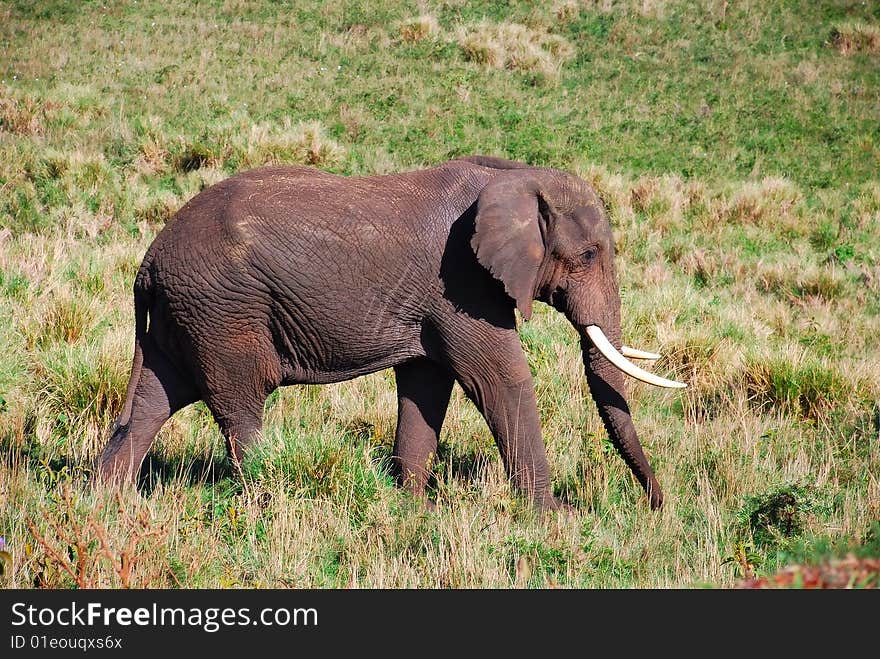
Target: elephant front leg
<point>496,377</point>
<point>511,413</point>
<point>423,390</point>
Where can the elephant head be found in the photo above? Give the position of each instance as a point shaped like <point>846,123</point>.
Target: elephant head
<point>545,235</point>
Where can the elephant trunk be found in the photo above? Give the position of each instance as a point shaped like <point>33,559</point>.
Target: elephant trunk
<point>607,388</point>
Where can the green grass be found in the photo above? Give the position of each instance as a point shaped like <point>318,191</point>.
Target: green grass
<point>737,146</point>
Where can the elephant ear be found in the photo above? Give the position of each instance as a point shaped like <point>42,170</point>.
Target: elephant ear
<point>508,235</point>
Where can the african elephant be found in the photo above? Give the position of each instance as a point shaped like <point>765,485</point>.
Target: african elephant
<point>291,275</point>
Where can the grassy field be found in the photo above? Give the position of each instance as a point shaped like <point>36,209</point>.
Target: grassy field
<point>736,144</point>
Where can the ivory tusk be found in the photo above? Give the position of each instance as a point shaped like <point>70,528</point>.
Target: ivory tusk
<point>634,353</point>
<point>597,336</point>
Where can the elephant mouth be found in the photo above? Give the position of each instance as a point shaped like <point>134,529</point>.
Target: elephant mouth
<point>603,345</point>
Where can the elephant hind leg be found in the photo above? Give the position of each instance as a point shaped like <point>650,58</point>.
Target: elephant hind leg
<point>160,391</point>
<point>240,423</point>
<point>240,376</point>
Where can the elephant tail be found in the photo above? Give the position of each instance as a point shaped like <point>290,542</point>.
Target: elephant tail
<point>143,297</point>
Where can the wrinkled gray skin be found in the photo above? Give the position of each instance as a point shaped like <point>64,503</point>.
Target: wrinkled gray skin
<point>290,275</point>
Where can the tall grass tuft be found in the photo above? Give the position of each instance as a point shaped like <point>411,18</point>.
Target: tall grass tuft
<point>795,383</point>
<point>771,200</point>
<point>79,392</point>
<point>23,114</point>
<point>856,37</point>
<point>419,28</point>
<point>515,46</point>
<point>67,319</point>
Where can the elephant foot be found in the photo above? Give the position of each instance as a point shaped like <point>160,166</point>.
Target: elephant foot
<point>550,504</point>
<point>420,499</point>
<point>120,460</point>
<point>566,509</point>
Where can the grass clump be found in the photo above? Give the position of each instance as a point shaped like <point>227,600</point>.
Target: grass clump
<point>239,145</point>
<point>773,200</point>
<point>802,283</point>
<point>23,114</point>
<point>157,207</point>
<point>516,47</point>
<point>856,37</point>
<point>420,28</point>
<point>782,513</point>
<point>323,466</point>
<point>534,562</point>
<point>792,383</point>
<point>305,142</point>
<point>80,392</point>
<point>706,364</point>
<point>664,200</point>
<point>67,319</point>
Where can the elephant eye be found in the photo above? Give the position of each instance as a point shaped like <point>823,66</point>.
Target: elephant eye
<point>589,255</point>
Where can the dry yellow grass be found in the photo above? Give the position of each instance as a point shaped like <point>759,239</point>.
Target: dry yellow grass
<point>567,9</point>
<point>514,46</point>
<point>303,142</point>
<point>419,28</point>
<point>856,37</point>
